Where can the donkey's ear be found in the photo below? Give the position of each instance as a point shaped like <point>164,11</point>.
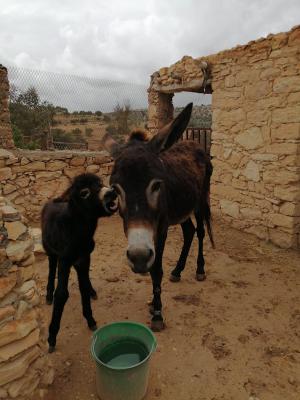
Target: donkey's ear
<point>171,133</point>
<point>111,145</point>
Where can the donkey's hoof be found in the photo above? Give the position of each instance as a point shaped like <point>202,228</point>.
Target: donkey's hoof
<point>151,309</point>
<point>94,296</point>
<point>200,277</point>
<point>51,349</point>
<point>157,325</point>
<point>49,300</point>
<point>174,278</point>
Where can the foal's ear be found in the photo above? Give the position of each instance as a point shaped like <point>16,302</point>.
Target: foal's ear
<point>111,145</point>
<point>171,133</point>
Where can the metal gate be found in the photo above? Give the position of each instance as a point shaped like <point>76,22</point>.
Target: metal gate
<point>199,135</point>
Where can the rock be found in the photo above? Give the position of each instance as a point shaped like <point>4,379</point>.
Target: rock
<point>17,368</point>
<point>230,208</point>
<point>286,84</point>
<point>17,329</point>
<point>25,273</point>
<point>77,161</point>
<point>250,139</point>
<point>30,167</point>
<point>22,307</point>
<point>48,176</point>
<point>48,377</point>
<point>5,173</point>
<point>6,312</point>
<point>36,234</point>
<point>28,261</point>
<point>9,214</point>
<point>15,229</point>
<point>24,385</point>
<point>26,287</point>
<point>16,347</point>
<point>281,220</point>
<point>56,165</point>
<point>17,251</point>
<point>9,188</point>
<point>251,171</point>
<point>93,169</point>
<point>7,283</point>
<point>71,172</point>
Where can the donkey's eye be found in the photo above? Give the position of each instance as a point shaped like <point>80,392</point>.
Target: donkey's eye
<point>155,187</point>
<point>152,192</point>
<point>85,193</point>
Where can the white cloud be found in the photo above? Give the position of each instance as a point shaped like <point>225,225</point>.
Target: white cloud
<point>128,40</point>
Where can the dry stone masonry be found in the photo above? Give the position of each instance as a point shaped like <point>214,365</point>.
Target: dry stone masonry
<point>256,130</point>
<point>29,178</point>
<point>25,371</point>
<point>6,140</point>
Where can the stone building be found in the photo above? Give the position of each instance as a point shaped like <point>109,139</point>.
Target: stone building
<point>255,131</point>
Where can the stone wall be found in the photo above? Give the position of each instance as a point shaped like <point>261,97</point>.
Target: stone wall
<point>25,371</point>
<point>29,178</point>
<point>6,140</point>
<point>256,135</point>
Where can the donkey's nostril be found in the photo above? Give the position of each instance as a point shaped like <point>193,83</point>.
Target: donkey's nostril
<point>139,256</point>
<point>151,252</point>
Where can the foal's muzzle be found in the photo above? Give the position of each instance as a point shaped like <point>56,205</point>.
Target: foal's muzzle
<point>109,200</point>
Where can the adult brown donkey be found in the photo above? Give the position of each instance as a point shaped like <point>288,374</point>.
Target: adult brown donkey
<point>161,183</point>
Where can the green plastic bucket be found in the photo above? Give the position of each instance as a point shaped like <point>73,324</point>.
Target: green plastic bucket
<point>119,382</point>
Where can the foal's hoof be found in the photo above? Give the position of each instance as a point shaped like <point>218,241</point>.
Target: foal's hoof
<point>200,277</point>
<point>49,300</point>
<point>157,325</point>
<point>94,296</point>
<point>51,349</point>
<point>174,278</point>
<point>93,327</point>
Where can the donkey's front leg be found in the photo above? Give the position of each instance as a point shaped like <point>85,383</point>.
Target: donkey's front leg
<point>157,322</point>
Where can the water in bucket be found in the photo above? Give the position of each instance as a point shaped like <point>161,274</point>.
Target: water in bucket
<point>124,353</point>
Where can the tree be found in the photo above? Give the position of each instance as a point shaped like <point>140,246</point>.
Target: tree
<point>31,116</point>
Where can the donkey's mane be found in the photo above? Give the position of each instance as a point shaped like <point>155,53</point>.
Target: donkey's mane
<point>138,135</point>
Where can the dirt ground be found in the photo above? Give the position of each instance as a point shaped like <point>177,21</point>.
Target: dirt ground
<point>234,336</point>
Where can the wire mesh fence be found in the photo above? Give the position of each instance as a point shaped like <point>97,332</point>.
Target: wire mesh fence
<point>58,111</point>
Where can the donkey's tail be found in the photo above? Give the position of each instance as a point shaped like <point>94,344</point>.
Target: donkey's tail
<point>207,220</point>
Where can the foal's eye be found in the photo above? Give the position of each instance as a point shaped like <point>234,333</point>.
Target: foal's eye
<point>116,189</point>
<point>85,193</point>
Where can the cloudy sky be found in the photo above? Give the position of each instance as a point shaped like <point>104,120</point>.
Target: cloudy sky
<point>127,40</point>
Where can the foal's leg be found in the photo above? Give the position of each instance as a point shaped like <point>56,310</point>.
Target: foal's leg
<point>188,231</point>
<point>61,295</point>
<point>200,274</point>
<point>51,278</point>
<point>82,268</point>
<point>157,322</point>
<point>93,292</point>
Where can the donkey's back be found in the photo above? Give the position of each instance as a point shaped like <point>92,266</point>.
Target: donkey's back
<point>187,170</point>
